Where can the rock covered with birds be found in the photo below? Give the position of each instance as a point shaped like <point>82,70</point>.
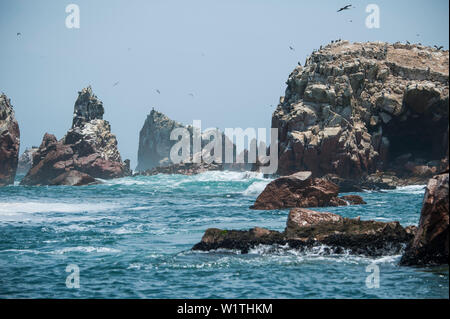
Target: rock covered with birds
<point>357,108</point>
<point>87,151</point>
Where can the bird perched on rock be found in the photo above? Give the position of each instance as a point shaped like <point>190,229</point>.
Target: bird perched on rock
<point>347,7</point>
<point>407,42</point>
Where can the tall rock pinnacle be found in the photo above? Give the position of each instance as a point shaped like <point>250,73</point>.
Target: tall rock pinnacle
<point>9,142</point>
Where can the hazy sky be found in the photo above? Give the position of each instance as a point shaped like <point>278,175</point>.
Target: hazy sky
<point>233,55</point>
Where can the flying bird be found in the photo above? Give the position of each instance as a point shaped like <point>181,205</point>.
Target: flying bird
<point>347,7</point>
<point>157,91</point>
<point>439,48</point>
<point>115,84</point>
<point>291,48</point>
<point>191,94</point>
<point>19,34</point>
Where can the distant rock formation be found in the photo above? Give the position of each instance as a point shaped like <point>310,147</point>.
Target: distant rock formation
<point>154,141</point>
<point>430,245</point>
<point>353,109</point>
<point>182,169</point>
<point>306,229</point>
<point>9,142</point>
<point>26,160</point>
<point>155,146</point>
<point>300,190</point>
<point>88,150</point>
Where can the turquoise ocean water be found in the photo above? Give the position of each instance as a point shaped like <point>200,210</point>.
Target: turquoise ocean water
<point>131,238</point>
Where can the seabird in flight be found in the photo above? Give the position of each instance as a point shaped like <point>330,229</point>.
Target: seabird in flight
<point>291,48</point>
<point>347,7</point>
<point>115,84</point>
<point>157,91</point>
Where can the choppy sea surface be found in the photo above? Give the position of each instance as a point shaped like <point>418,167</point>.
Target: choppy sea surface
<point>131,238</point>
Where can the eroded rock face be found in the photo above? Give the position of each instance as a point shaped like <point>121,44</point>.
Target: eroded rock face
<point>430,245</point>
<point>89,148</point>
<point>26,160</point>
<point>9,142</point>
<point>353,109</point>
<point>300,190</point>
<point>306,229</point>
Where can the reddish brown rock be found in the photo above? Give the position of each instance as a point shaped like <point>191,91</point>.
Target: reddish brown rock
<point>9,142</point>
<point>298,190</point>
<point>88,148</point>
<point>430,244</point>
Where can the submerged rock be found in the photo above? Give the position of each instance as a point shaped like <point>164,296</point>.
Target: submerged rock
<point>353,108</point>
<point>430,245</point>
<point>306,229</point>
<point>354,199</point>
<point>9,142</point>
<point>89,147</point>
<point>300,190</point>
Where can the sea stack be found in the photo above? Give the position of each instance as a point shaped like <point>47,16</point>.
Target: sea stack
<point>154,141</point>
<point>9,142</point>
<point>357,108</point>
<point>88,150</point>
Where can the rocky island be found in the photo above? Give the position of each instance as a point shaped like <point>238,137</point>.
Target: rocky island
<point>369,112</point>
<point>88,150</point>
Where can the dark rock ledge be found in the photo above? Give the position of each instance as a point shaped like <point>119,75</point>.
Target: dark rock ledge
<point>306,229</point>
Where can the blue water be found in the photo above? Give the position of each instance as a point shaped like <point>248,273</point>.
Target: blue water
<point>131,238</point>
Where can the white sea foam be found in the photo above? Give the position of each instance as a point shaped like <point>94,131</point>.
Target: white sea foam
<point>227,176</point>
<point>255,188</point>
<point>410,189</point>
<point>13,208</point>
<point>86,249</point>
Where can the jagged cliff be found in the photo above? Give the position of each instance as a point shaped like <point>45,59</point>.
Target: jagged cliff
<point>9,141</point>
<point>88,150</point>
<point>355,108</point>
